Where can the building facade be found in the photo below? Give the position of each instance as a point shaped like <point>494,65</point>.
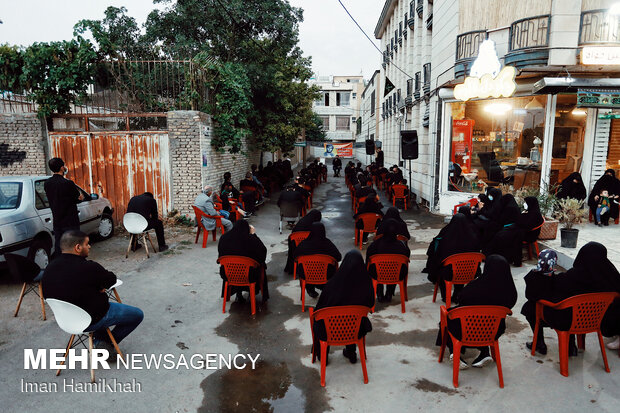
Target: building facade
<point>369,113</point>
<point>560,118</point>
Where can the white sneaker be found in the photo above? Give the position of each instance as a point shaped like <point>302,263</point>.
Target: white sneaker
<point>482,362</point>
<point>615,344</point>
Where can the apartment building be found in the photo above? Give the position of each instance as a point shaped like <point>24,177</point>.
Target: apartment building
<point>370,114</point>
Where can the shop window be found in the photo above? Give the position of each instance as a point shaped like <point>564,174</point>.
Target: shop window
<point>496,141</point>
<point>568,135</point>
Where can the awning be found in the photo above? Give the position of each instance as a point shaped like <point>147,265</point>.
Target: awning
<point>553,85</point>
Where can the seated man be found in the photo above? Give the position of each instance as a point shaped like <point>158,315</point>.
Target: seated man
<point>248,185</point>
<point>365,189</point>
<point>146,206</point>
<point>74,279</point>
<point>204,201</point>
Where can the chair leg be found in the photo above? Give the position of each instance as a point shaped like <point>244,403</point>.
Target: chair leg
<point>448,294</point>
<point>374,286</point>
<point>529,251</point>
<point>225,296</point>
<point>402,296</point>
<point>603,352</point>
<point>146,247</point>
<point>21,297</point>
<point>253,297</point>
<point>435,292</point>
<point>563,345</point>
<point>151,241</point>
<point>42,300</point>
<point>456,362</point>
<point>197,235</point>
<point>129,246</point>
<point>205,238</point>
<point>535,339</point>
<point>405,282</point>
<point>360,344</point>
<point>114,343</point>
<point>66,353</point>
<point>303,295</point>
<point>581,341</point>
<point>214,234</point>
<point>90,356</point>
<point>536,248</point>
<point>323,363</point>
<point>118,298</point>
<point>498,361</point>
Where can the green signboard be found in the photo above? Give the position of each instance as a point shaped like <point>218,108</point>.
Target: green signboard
<point>301,144</point>
<point>598,99</point>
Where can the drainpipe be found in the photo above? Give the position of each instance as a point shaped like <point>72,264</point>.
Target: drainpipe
<point>439,112</point>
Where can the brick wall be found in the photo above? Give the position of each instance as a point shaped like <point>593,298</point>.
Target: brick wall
<point>190,148</point>
<point>22,145</point>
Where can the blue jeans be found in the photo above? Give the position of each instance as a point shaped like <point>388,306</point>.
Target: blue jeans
<point>125,317</point>
<point>225,214</point>
<point>599,212</point>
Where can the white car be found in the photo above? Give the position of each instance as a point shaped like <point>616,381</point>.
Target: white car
<point>26,226</point>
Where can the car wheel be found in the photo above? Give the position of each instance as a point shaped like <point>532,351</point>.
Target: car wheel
<point>39,252</point>
<point>106,227</point>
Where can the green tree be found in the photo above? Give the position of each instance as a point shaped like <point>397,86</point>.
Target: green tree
<point>316,132</point>
<point>11,63</point>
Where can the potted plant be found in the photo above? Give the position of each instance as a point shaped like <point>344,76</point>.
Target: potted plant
<point>569,212</point>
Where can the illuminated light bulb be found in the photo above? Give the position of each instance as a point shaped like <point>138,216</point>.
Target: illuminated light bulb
<point>497,108</point>
<point>579,112</point>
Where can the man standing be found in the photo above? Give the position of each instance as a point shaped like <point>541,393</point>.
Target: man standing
<point>146,206</point>
<point>379,157</point>
<point>74,279</point>
<point>63,197</point>
<point>205,203</point>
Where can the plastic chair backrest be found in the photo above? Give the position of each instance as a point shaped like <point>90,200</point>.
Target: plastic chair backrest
<point>538,227</point>
<point>134,223</point>
<point>69,317</point>
<point>370,220</point>
<point>388,266</point>
<point>199,214</point>
<point>289,210</point>
<point>464,266</point>
<point>479,323</point>
<point>237,268</point>
<point>471,202</point>
<point>315,267</point>
<point>22,269</point>
<point>342,323</point>
<point>588,310</point>
<point>399,190</point>
<point>298,236</point>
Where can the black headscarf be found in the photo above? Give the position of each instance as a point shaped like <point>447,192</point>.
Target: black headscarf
<point>494,287</point>
<point>317,243</point>
<point>401,226</point>
<point>531,218</point>
<point>570,189</point>
<point>608,182</point>
<point>239,241</point>
<point>351,285</point>
<point>369,205</point>
<point>492,208</point>
<point>510,211</point>
<point>457,237</point>
<point>388,244</point>
<point>305,223</point>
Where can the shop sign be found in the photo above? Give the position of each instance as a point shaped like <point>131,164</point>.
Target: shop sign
<point>486,79</point>
<point>596,99</point>
<point>606,55</point>
<point>301,144</point>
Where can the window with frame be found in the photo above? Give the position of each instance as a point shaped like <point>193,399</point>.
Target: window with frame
<point>343,99</point>
<point>343,123</point>
<point>372,103</point>
<point>41,201</point>
<point>325,120</point>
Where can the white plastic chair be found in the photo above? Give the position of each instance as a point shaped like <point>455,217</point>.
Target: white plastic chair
<point>73,320</point>
<point>112,293</point>
<point>136,225</point>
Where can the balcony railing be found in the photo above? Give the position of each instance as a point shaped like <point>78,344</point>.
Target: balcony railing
<point>417,85</point>
<point>427,78</point>
<point>420,8</point>
<point>530,33</point>
<point>598,26</point>
<point>429,21</point>
<point>467,48</point>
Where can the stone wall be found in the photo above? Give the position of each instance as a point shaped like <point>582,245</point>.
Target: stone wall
<point>194,163</point>
<point>23,145</point>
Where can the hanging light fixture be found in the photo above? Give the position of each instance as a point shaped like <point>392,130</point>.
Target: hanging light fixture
<point>534,104</point>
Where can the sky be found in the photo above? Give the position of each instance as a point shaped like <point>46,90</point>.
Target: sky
<point>328,34</point>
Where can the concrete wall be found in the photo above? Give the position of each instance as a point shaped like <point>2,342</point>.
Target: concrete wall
<point>22,145</point>
<point>190,135</point>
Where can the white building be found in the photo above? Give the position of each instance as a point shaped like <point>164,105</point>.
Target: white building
<point>370,112</point>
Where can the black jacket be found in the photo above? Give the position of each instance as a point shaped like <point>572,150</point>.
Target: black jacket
<point>79,281</point>
<point>143,205</point>
<point>63,197</point>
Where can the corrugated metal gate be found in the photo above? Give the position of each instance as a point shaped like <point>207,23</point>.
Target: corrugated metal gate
<point>117,165</point>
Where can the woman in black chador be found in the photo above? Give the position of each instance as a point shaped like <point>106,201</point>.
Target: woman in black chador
<point>304,224</point>
<point>487,219</point>
<point>401,226</point>
<point>316,243</point>
<point>592,272</point>
<point>241,240</point>
<point>508,242</point>
<point>351,285</point>
<point>572,187</point>
<point>610,183</point>
<point>387,244</point>
<point>494,287</point>
<point>371,204</point>
<point>454,238</point>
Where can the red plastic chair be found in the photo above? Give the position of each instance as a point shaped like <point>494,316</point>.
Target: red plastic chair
<point>588,311</point>
<point>237,270</point>
<point>357,202</point>
<point>309,189</point>
<point>591,218</point>
<point>464,268</point>
<point>471,202</point>
<point>535,243</point>
<point>398,192</point>
<point>297,237</point>
<point>205,234</point>
<point>479,325</point>
<point>369,220</point>
<point>342,325</point>
<point>388,272</point>
<point>315,272</point>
